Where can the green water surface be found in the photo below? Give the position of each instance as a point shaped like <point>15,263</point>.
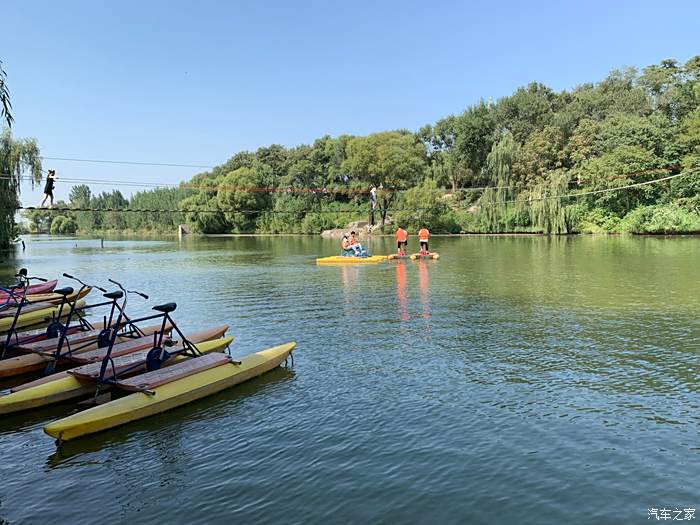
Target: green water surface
<point>515,380</point>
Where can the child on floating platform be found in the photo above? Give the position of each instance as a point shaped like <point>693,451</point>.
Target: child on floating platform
<point>354,245</point>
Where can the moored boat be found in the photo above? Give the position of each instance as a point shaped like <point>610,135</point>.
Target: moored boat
<point>36,317</point>
<point>40,288</point>
<point>40,354</point>
<point>165,389</point>
<point>80,382</point>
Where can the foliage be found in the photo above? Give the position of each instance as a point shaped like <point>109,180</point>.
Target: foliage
<point>63,225</point>
<point>5,104</point>
<point>549,212</point>
<point>391,161</point>
<point>17,158</point>
<point>661,219</point>
<point>56,221</point>
<point>548,159</point>
<point>425,205</point>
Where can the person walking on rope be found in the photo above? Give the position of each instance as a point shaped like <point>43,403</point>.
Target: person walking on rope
<point>372,203</point>
<point>48,188</point>
<point>423,238</point>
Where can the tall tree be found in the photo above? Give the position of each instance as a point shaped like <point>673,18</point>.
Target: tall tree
<point>392,160</point>
<point>17,157</point>
<point>474,130</point>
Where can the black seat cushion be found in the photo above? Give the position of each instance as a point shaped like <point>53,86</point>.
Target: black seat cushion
<point>167,307</point>
<point>117,294</point>
<point>64,291</point>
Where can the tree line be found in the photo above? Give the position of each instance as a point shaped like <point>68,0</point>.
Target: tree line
<point>513,165</point>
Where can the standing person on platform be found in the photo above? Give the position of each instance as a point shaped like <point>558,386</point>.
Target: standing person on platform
<point>48,188</point>
<point>401,240</point>
<point>423,238</point>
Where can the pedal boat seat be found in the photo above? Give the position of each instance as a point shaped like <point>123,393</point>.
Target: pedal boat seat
<point>165,308</point>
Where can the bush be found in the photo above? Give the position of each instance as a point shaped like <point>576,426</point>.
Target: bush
<point>425,205</point>
<point>661,219</point>
<point>599,220</point>
<point>62,225</point>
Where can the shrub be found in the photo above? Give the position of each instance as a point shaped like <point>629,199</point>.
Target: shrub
<point>661,219</point>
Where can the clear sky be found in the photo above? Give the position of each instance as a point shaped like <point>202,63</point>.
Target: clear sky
<point>195,82</point>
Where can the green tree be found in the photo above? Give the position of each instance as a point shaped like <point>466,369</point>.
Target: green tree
<point>240,199</point>
<point>495,203</point>
<point>17,158</point>
<point>55,221</point>
<point>474,134</point>
<point>5,104</point>
<point>81,197</point>
<point>203,213</point>
<point>391,161</point>
<point>527,110</point>
<point>63,225</point>
<point>425,205</point>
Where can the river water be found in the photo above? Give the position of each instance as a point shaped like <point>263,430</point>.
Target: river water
<point>515,380</point>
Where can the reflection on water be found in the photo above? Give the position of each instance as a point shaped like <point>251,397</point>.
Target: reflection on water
<point>401,292</point>
<point>535,376</point>
<point>424,284</point>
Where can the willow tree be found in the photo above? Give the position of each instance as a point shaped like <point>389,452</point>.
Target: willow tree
<point>499,167</point>
<point>548,210</point>
<point>17,158</point>
<point>5,105</point>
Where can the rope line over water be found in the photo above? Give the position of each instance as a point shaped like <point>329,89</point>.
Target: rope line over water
<point>356,211</point>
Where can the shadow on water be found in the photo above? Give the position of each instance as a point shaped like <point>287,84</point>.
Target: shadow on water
<point>169,426</point>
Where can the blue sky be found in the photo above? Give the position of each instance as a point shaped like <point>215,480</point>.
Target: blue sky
<point>195,82</point>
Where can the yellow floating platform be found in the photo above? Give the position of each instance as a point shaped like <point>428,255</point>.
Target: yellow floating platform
<point>339,259</point>
<point>425,256</point>
<point>168,396</point>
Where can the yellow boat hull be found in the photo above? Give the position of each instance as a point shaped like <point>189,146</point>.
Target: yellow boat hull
<point>36,317</point>
<point>68,387</point>
<point>168,396</point>
<point>338,259</point>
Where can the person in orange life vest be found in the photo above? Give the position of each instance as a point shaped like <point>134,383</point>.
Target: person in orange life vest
<point>401,240</point>
<point>423,237</point>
